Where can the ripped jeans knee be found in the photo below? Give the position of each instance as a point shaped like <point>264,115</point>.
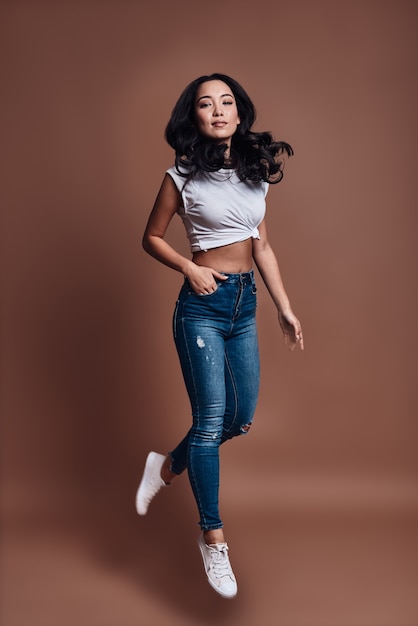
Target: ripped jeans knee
<point>239,430</point>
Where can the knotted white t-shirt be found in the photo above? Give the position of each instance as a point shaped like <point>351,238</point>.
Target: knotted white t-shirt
<point>218,208</point>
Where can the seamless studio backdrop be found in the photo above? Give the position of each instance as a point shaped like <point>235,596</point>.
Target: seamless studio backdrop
<point>320,500</point>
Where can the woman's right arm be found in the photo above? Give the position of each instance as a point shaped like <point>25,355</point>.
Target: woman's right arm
<point>166,205</point>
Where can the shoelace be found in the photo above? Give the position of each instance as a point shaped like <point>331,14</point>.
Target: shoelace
<point>220,562</point>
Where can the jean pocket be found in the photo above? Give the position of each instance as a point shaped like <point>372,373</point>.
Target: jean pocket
<point>207,295</point>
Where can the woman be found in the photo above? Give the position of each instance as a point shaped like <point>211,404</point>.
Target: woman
<point>218,186</point>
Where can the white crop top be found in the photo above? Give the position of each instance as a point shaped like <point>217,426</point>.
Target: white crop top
<point>218,208</point>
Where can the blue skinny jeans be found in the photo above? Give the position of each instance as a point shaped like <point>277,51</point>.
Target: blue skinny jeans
<point>216,340</point>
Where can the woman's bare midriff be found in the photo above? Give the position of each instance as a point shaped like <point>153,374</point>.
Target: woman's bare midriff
<point>234,258</point>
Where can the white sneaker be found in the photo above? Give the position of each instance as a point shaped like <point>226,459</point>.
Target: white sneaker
<point>151,482</point>
<point>218,568</point>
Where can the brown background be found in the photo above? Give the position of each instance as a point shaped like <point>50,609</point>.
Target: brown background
<point>320,501</point>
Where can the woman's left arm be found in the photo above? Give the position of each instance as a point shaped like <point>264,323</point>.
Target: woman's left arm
<point>267,264</point>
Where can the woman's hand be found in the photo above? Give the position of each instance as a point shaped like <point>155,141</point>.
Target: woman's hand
<point>292,330</point>
<point>202,278</point>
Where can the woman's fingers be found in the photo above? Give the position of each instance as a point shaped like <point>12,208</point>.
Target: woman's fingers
<point>292,330</point>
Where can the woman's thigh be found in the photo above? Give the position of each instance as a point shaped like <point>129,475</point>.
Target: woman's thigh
<point>201,350</point>
<point>242,381</point>
<point>216,339</point>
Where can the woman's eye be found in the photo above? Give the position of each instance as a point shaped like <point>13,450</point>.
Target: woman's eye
<point>227,102</point>
<point>203,105</point>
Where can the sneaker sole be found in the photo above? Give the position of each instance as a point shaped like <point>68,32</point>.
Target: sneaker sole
<point>149,464</point>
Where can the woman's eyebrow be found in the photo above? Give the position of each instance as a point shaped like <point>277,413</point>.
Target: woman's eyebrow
<point>211,97</point>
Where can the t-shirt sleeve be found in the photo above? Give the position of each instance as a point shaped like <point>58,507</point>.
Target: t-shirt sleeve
<point>266,187</point>
<point>178,179</point>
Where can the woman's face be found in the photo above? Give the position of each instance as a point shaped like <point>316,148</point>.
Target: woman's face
<point>216,112</point>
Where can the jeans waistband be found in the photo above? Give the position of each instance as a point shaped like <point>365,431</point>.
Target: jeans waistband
<point>246,278</point>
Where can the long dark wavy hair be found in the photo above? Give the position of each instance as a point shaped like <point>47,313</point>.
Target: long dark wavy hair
<point>255,156</point>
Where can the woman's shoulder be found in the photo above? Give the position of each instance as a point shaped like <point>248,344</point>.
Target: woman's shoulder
<point>179,173</point>
<point>181,169</point>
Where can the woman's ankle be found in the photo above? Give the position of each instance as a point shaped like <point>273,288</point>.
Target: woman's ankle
<point>166,474</point>
<point>214,536</point>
